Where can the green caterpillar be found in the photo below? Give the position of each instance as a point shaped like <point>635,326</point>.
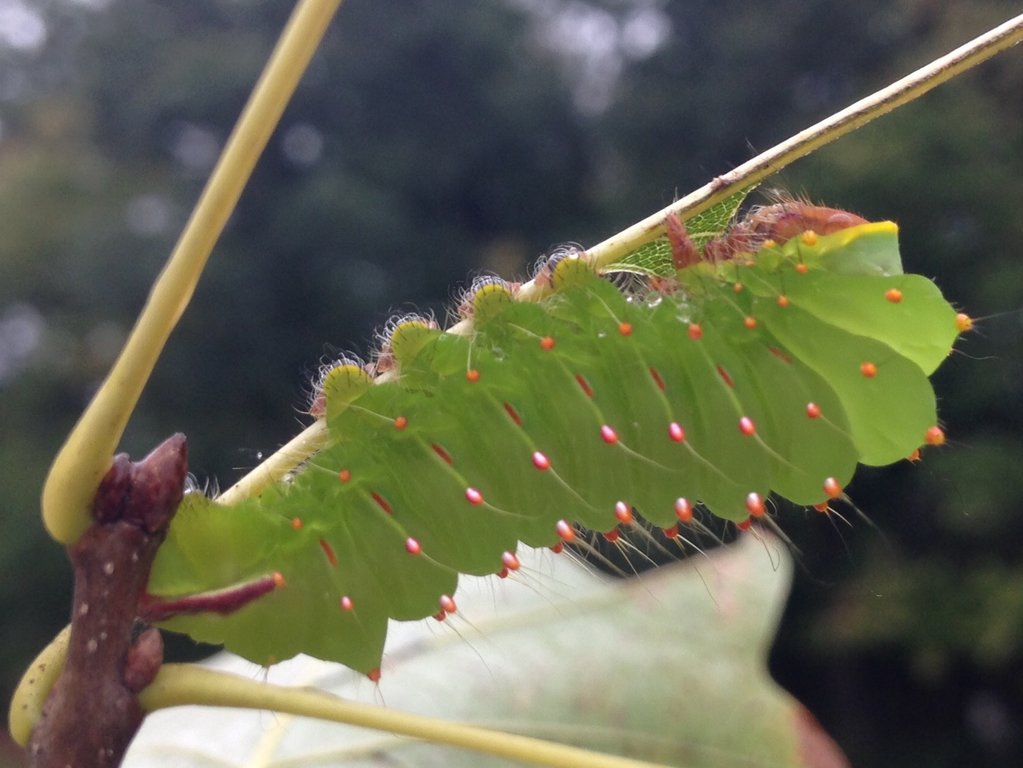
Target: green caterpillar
<point>731,379</point>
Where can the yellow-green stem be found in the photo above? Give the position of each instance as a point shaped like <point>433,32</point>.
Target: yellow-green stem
<point>85,457</point>
<point>34,687</point>
<point>178,684</point>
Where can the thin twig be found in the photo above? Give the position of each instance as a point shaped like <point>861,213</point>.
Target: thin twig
<point>280,463</point>
<point>854,116</point>
<point>860,113</point>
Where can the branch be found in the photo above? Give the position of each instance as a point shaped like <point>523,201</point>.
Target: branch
<point>93,713</point>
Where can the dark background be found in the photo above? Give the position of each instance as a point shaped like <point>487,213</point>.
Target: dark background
<point>432,140</point>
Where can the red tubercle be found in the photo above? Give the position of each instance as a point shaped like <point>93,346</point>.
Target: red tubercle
<point>540,461</point>
<point>813,411</point>
<point>695,331</point>
<point>623,512</point>
<point>447,604</point>
<point>608,435</point>
<point>558,548</point>
<point>823,507</point>
<point>915,456</point>
<point>613,535</point>
<point>656,376</point>
<point>374,674</point>
<point>676,433</point>
<point>329,552</point>
<point>513,414</point>
<point>584,385</point>
<point>670,533</point>
<point>439,450</point>
<point>745,525</point>
<point>413,547</point>
<point>565,530</point>
<point>747,427</point>
<point>935,436</point>
<point>868,369</point>
<point>473,496</point>
<point>738,287</point>
<point>832,488</point>
<point>440,616</point>
<point>400,422</point>
<point>279,581</point>
<point>472,375</point>
<point>725,376</point>
<point>383,503</point>
<point>502,574</point>
<point>346,603</point>
<point>625,329</point>
<point>296,523</point>
<point>683,510</point>
<point>894,295</point>
<point>783,301</point>
<point>750,322</point>
<point>547,343</point>
<point>510,561</point>
<point>802,268</point>
<point>755,505</point>
<point>344,475</point>
<point>964,322</point>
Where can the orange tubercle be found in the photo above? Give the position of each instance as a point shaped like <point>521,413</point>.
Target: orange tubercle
<point>935,436</point>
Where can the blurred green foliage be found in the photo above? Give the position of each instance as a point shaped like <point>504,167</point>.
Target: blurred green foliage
<point>430,140</point>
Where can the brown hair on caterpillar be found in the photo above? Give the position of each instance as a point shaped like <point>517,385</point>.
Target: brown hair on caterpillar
<point>783,221</point>
<point>778,222</point>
